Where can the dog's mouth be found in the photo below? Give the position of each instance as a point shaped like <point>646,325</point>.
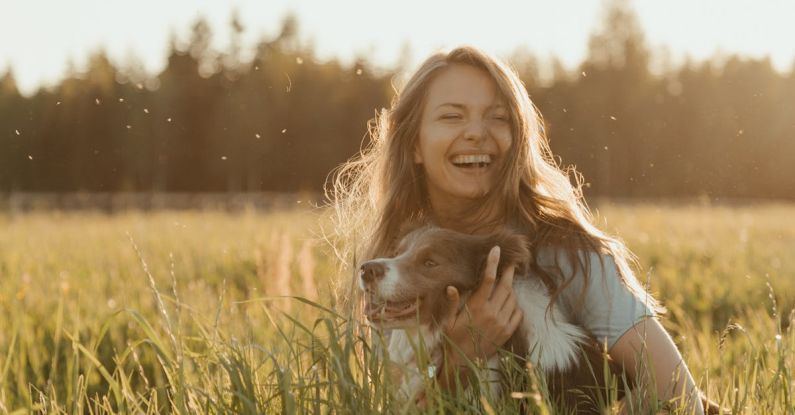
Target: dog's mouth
<point>389,311</point>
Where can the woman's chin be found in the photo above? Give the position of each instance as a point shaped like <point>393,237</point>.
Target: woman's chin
<point>461,197</point>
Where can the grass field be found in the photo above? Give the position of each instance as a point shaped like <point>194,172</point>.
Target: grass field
<point>188,312</point>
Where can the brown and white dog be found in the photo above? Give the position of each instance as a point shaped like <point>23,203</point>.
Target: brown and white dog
<point>407,293</point>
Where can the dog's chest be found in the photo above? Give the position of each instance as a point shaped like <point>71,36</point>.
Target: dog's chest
<point>404,343</point>
<point>550,339</point>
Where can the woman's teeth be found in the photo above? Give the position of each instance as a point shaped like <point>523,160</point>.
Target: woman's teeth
<point>472,160</point>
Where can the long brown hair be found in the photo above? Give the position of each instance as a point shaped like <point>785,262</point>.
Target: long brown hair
<point>376,193</point>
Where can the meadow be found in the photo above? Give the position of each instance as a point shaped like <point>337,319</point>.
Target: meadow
<point>215,312</point>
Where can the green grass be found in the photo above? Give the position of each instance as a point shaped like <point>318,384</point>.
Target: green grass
<point>195,312</point>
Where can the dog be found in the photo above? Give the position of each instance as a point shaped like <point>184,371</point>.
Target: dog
<point>406,293</point>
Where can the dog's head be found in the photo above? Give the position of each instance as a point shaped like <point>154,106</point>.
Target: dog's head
<point>413,282</point>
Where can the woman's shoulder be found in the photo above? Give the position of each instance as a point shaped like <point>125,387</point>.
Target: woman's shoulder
<point>598,294</point>
<point>580,261</point>
<point>599,274</point>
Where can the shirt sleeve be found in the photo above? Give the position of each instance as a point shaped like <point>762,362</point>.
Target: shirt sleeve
<point>607,308</point>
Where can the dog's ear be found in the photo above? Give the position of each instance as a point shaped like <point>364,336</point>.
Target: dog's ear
<point>409,226</point>
<point>514,250</point>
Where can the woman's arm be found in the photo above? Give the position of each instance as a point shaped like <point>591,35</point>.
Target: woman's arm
<point>649,341</point>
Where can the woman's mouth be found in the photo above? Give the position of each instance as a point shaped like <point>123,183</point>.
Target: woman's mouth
<point>471,161</point>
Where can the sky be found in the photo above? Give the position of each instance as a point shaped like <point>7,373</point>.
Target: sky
<point>39,39</point>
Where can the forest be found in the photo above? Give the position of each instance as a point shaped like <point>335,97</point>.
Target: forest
<point>632,122</point>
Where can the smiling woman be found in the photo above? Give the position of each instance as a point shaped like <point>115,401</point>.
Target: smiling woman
<point>463,148</point>
<point>464,136</point>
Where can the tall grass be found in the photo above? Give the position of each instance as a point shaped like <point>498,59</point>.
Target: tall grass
<point>211,312</point>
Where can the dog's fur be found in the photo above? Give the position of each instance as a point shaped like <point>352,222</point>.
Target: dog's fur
<point>407,293</point>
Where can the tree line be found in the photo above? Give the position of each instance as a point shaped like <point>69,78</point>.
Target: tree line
<point>213,122</point>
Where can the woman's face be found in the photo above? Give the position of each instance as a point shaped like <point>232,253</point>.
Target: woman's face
<point>465,134</point>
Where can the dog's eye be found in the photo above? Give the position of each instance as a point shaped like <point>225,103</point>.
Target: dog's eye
<point>430,263</point>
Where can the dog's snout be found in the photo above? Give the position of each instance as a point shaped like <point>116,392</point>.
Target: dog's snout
<point>372,271</point>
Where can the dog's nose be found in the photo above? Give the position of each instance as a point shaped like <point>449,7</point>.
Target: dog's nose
<point>371,271</point>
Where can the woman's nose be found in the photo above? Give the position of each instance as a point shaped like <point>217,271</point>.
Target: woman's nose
<point>475,130</point>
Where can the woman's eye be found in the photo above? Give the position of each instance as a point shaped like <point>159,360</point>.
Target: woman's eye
<point>501,117</point>
<point>451,117</point>
<point>430,263</point>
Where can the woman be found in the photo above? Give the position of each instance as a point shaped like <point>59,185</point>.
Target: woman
<point>464,148</point>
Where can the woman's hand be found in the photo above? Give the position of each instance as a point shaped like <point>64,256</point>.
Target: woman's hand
<point>490,316</point>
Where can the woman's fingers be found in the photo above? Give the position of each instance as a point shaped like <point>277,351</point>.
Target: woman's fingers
<point>483,292</point>
<point>453,303</point>
<point>504,287</point>
<point>515,320</point>
<point>507,307</point>
<point>507,322</point>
